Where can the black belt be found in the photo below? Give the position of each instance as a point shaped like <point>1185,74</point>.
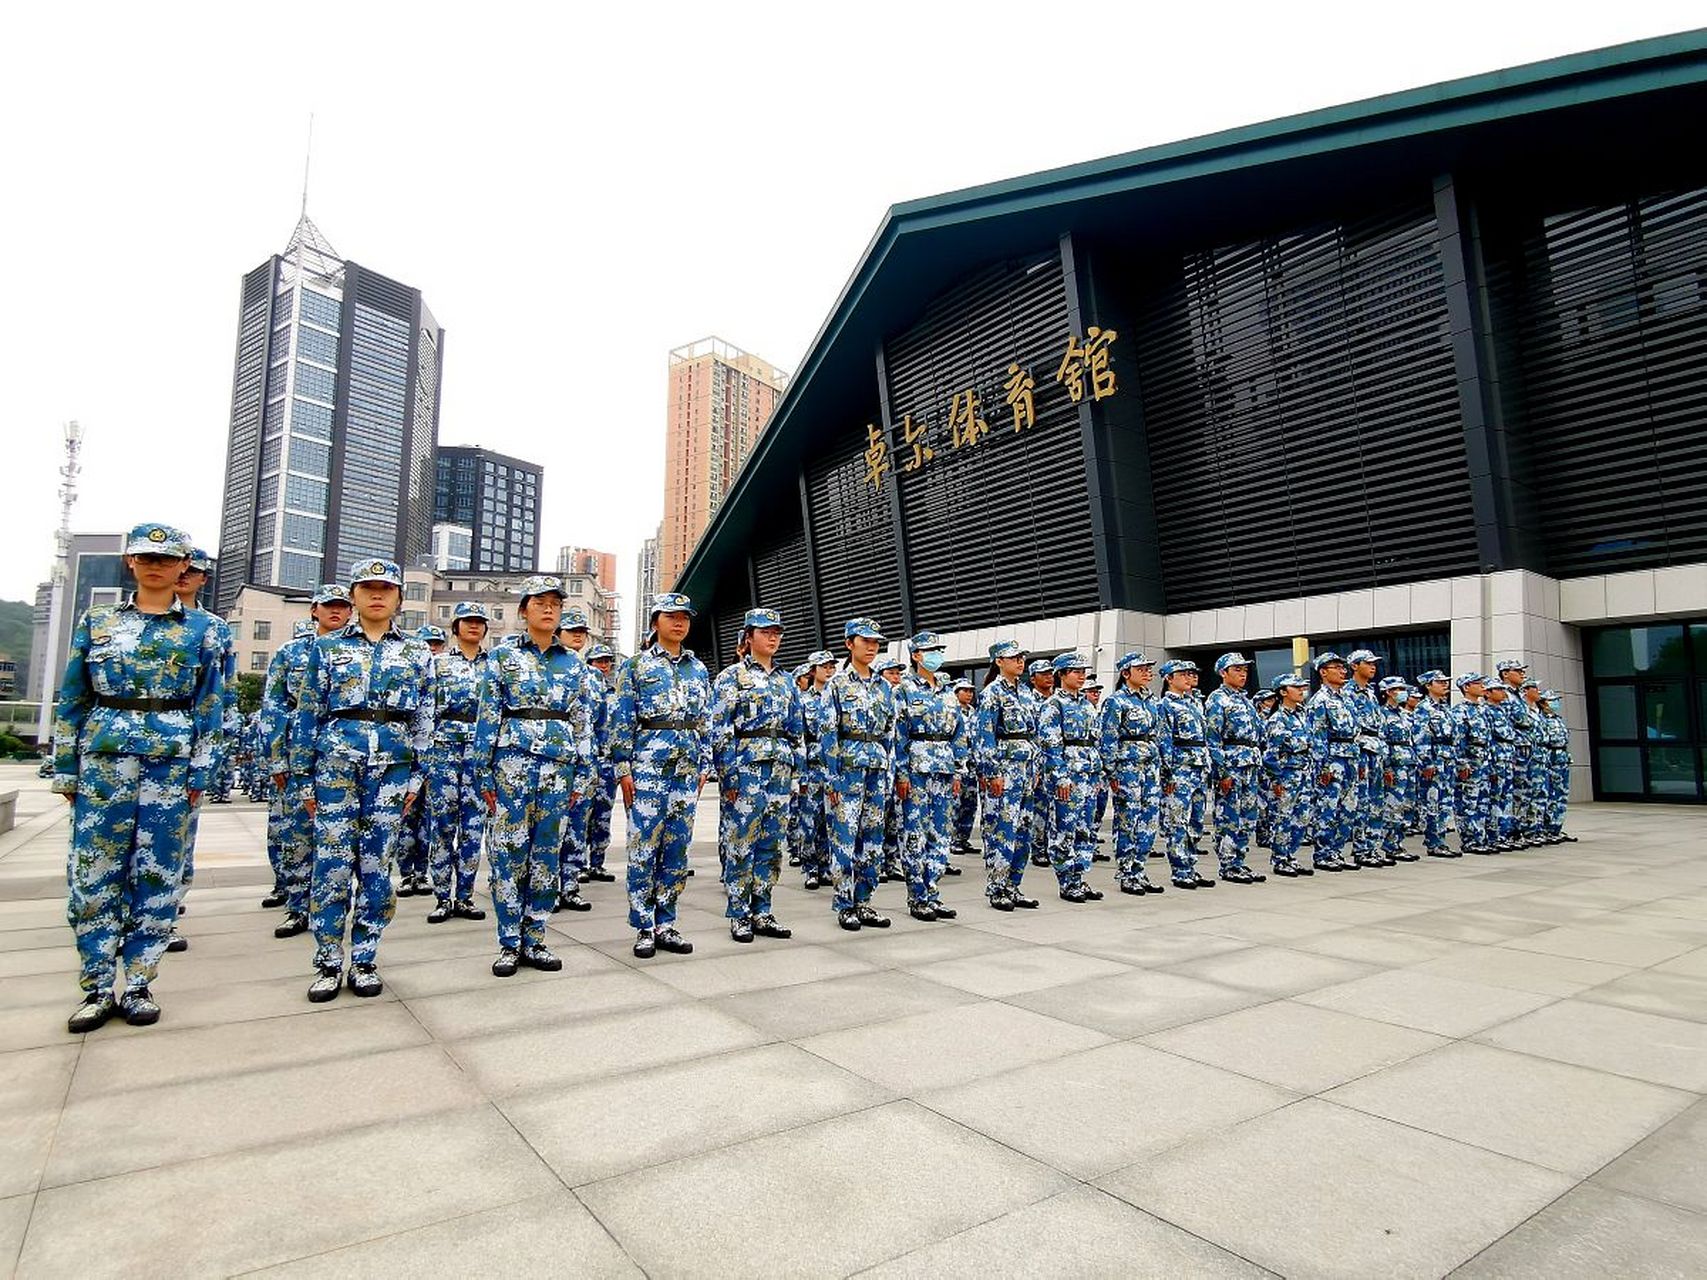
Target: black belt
<point>143,704</point>
<point>536,713</point>
<point>1023,736</point>
<point>762,733</point>
<point>456,717</point>
<point>1439,741</point>
<point>664,722</point>
<point>1239,742</point>
<point>932,737</point>
<point>1342,737</point>
<point>1078,742</point>
<point>1137,737</point>
<point>859,735</point>
<point>812,737</point>
<point>1369,733</point>
<point>1188,742</point>
<point>375,715</point>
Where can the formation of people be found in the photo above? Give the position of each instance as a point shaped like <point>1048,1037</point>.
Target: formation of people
<point>392,761</point>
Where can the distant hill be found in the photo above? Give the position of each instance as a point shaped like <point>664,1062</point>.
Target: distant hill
<point>15,635</point>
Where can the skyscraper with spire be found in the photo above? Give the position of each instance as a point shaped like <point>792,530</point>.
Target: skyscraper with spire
<point>334,420</point>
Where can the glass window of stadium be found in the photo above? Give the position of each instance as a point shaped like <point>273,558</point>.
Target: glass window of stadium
<point>1647,710</point>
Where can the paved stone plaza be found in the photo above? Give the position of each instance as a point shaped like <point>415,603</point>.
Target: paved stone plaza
<point>1494,1065</point>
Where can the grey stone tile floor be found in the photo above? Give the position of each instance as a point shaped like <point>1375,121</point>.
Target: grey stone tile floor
<point>1489,1066</point>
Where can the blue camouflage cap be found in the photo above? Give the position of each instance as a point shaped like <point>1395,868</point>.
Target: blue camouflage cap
<point>888,664</point>
<point>1263,695</point>
<point>962,683</point>
<point>542,584</point>
<point>1039,667</point>
<point>200,560</point>
<point>1326,660</point>
<point>762,617</point>
<point>468,609</point>
<point>1291,681</point>
<point>376,571</point>
<point>157,540</point>
<point>1129,660</point>
<point>1431,675</point>
<point>1549,695</point>
<point>1070,662</point>
<point>1510,664</point>
<point>1529,684</point>
<point>1234,659</point>
<point>1470,677</point>
<point>866,627</point>
<point>330,593</point>
<point>431,634</point>
<point>926,642</point>
<point>601,653</point>
<point>1390,683</point>
<point>1363,655</point>
<point>820,658</point>
<point>803,671</point>
<point>1006,649</point>
<point>670,602</point>
<point>1093,685</point>
<point>302,629</point>
<point>574,618</point>
<point>1174,666</point>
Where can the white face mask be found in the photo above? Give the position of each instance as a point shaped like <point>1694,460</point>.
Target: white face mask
<point>933,660</point>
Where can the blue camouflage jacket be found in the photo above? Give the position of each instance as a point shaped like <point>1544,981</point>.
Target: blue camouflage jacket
<point>859,723</point>
<point>1288,751</point>
<point>663,714</point>
<point>1396,732</point>
<point>1128,732</point>
<point>347,672</point>
<point>1067,736</point>
<point>518,680</point>
<point>279,698</point>
<point>1475,735</point>
<point>755,718</point>
<point>1433,732</point>
<point>1525,722</point>
<point>1365,705</point>
<point>1333,726</point>
<point>117,651</point>
<point>456,688</point>
<point>1007,729</point>
<point>1183,741</point>
<point>931,736</point>
<point>815,714</point>
<point>1233,729</point>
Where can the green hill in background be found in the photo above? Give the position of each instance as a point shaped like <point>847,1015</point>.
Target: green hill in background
<point>15,636</point>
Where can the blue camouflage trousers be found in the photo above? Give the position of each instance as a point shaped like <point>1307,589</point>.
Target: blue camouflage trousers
<point>1182,819</point>
<point>573,857</point>
<point>1398,797</point>
<point>752,831</point>
<point>1072,830</point>
<point>1137,818</point>
<point>1434,805</point>
<point>1370,824</point>
<point>275,837</point>
<point>1558,794</point>
<point>1006,827</point>
<point>1039,808</point>
<point>1502,792</point>
<point>358,815</point>
<point>129,824</point>
<point>966,809</point>
<point>413,839</point>
<point>524,842</point>
<point>810,836</point>
<point>856,833</point>
<point>599,807</point>
<point>928,817</point>
<point>458,821</point>
<point>660,826</point>
<point>1535,788</point>
<point>891,828</point>
<point>1336,809</point>
<point>1288,813</point>
<point>187,874</point>
<point>1474,798</point>
<point>1236,813</point>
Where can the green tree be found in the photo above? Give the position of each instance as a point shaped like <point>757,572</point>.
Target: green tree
<point>249,687</point>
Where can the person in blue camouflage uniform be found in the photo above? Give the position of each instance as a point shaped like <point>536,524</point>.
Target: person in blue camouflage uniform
<point>1527,780</point>
<point>533,750</point>
<point>1502,768</point>
<point>661,750</point>
<point>1185,770</point>
<point>415,840</point>
<point>1233,730</point>
<point>1265,701</point>
<point>1093,695</point>
<point>134,734</point>
<point>1040,806</point>
<point>932,744</point>
<point>1370,820</point>
<point>363,723</point>
<point>1005,748</point>
<point>889,867</point>
<point>1554,737</point>
<point>812,835</point>
<point>1071,765</point>
<point>1338,755</point>
<point>1288,776</point>
<point>802,675</point>
<point>290,825</point>
<point>1433,730</point>
<point>757,733</point>
<point>1474,743</point>
<point>457,810</point>
<point>1401,763</point>
<point>188,590</point>
<point>603,800</point>
<point>859,755</point>
<point>1531,828</point>
<point>1132,763</point>
<point>573,632</point>
<point>966,806</point>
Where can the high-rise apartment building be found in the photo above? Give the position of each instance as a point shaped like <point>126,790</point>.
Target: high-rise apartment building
<point>720,399</point>
<point>496,497</point>
<point>334,419</point>
<point>645,584</point>
<point>600,564</point>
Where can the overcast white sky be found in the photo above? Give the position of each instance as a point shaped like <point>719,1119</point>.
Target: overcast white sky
<point>575,193</point>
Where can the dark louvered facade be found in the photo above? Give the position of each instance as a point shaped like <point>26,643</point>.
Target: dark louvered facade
<point>1456,332</point>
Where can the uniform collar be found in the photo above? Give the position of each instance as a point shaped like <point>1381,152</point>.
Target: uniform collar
<point>660,651</point>
<point>354,628</point>
<point>752,664</point>
<point>174,610</point>
<point>525,641</point>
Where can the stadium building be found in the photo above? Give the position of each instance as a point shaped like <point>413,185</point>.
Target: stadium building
<point>1426,373</point>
